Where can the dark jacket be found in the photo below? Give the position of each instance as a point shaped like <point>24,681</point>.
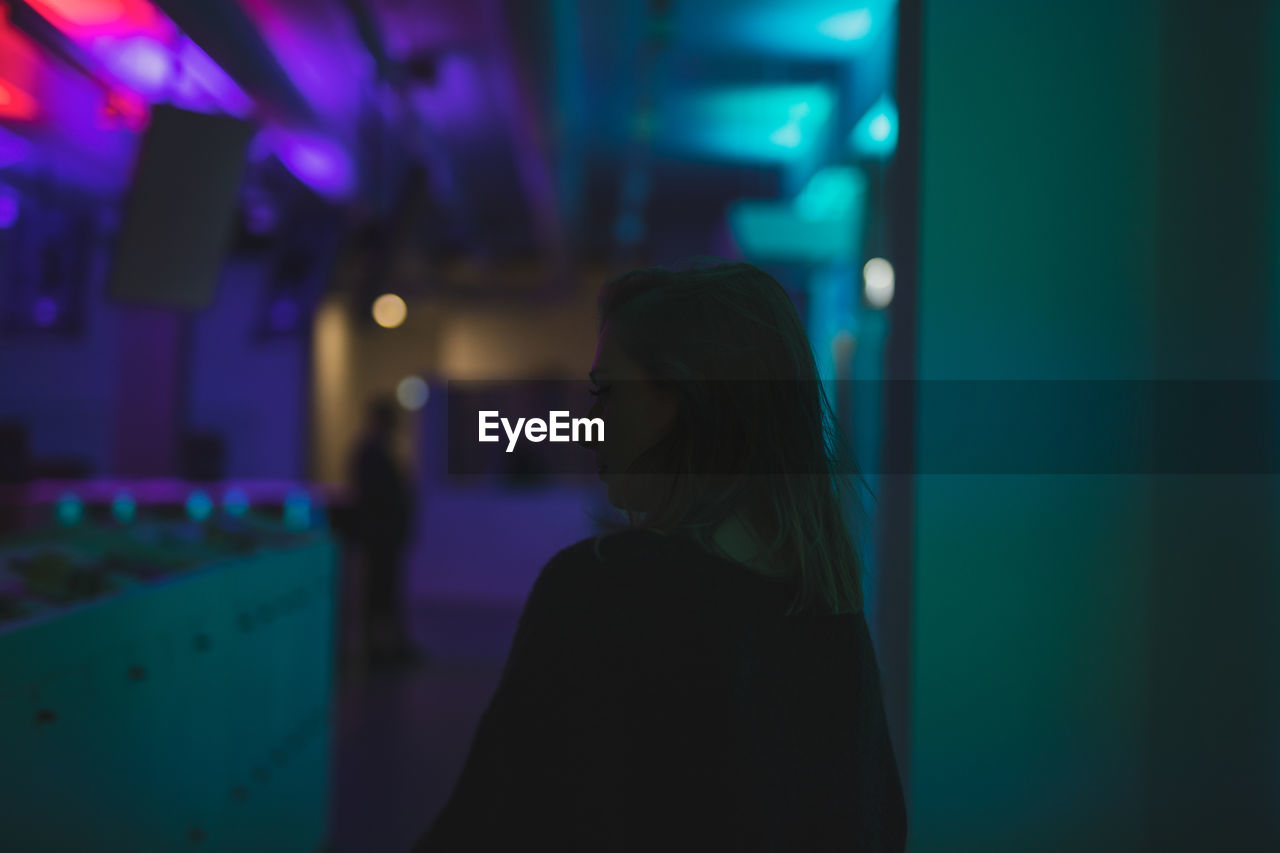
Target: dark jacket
<point>658,699</point>
<point>383,500</point>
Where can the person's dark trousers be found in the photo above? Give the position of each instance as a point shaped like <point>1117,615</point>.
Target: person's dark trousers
<point>385,630</point>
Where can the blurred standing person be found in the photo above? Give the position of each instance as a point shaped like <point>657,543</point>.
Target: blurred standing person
<point>383,513</point>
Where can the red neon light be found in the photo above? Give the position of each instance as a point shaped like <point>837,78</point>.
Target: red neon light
<point>81,19</point>
<point>16,104</point>
<point>20,62</point>
<point>85,12</point>
<point>124,109</point>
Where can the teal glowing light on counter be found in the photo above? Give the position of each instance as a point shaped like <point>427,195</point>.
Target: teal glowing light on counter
<point>70,510</point>
<point>199,506</point>
<point>297,510</point>
<point>235,503</point>
<point>124,508</point>
<point>876,133</point>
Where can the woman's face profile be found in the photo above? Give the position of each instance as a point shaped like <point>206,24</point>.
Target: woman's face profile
<point>636,415</point>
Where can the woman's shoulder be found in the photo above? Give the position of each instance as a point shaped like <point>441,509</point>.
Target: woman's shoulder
<point>615,545</point>
<point>609,554</point>
<point>621,560</point>
<point>597,575</point>
<point>638,566</point>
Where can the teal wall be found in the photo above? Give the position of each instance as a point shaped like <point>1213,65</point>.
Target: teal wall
<point>1072,206</point>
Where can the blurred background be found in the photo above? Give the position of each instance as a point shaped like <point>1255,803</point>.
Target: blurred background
<point>230,227</point>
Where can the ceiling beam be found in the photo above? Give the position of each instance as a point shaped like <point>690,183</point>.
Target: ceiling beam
<point>226,33</point>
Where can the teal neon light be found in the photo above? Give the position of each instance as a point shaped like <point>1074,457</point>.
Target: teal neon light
<point>297,510</point>
<point>199,506</point>
<point>69,510</point>
<point>831,192</point>
<point>821,225</point>
<point>876,133</point>
<point>847,26</point>
<point>123,508</point>
<point>749,123</point>
<point>796,29</point>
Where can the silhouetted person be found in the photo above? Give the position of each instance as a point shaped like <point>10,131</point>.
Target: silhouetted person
<point>382,518</point>
<point>702,679</point>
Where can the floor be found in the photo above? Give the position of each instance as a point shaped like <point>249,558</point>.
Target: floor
<point>401,736</point>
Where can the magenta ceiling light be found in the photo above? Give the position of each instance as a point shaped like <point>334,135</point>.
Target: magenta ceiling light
<point>146,53</point>
<point>82,19</point>
<point>319,163</point>
<point>143,64</point>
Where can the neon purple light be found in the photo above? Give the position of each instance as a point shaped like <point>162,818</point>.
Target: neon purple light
<point>161,63</point>
<point>459,102</point>
<point>322,54</point>
<point>12,148</point>
<point>200,72</point>
<point>45,311</point>
<point>319,163</point>
<point>142,63</point>
<point>8,207</point>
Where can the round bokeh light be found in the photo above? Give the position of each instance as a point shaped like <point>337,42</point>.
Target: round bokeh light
<point>389,310</point>
<point>412,393</point>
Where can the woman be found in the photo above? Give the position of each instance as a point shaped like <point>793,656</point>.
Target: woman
<point>702,679</point>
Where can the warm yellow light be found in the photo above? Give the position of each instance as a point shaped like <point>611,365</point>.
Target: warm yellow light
<point>389,310</point>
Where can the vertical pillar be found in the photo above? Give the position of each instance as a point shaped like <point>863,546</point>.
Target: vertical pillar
<point>1214,720</point>
<point>895,551</point>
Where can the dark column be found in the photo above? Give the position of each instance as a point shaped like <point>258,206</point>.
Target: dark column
<point>1215,649</point>
<point>902,190</point>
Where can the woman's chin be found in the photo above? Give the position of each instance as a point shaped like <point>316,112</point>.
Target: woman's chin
<point>626,493</point>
